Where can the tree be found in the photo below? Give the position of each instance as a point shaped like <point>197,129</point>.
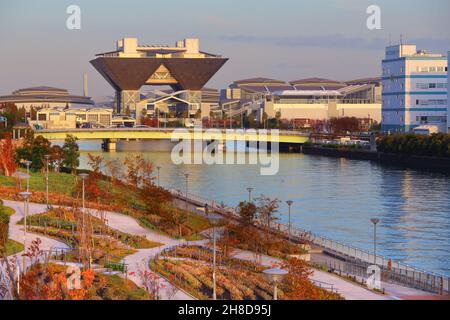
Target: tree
<point>134,166</point>
<point>8,163</point>
<point>95,162</point>
<point>33,149</point>
<point>113,168</point>
<point>178,217</point>
<point>13,114</point>
<point>41,147</point>
<point>56,157</point>
<point>297,286</point>
<point>267,208</point>
<point>71,153</point>
<point>345,124</point>
<point>247,212</point>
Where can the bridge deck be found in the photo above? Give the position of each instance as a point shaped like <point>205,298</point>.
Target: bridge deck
<point>168,134</point>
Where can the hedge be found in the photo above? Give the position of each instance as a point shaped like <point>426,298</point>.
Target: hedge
<point>435,145</point>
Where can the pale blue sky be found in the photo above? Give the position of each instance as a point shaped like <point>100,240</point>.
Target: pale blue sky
<point>283,39</point>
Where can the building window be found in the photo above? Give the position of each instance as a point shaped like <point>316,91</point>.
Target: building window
<point>42,117</point>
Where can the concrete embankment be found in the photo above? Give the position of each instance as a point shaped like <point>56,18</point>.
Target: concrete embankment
<point>408,161</point>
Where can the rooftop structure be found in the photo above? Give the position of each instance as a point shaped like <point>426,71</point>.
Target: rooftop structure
<point>131,66</point>
<point>305,99</point>
<point>44,97</point>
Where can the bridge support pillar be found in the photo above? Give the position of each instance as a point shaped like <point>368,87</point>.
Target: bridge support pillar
<point>109,145</point>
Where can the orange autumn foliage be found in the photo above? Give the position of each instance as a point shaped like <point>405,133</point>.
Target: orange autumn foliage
<point>8,163</point>
<point>297,285</point>
<point>50,283</point>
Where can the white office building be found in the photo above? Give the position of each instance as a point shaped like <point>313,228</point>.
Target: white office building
<point>414,89</point>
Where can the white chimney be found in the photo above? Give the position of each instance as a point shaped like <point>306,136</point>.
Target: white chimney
<point>85,85</point>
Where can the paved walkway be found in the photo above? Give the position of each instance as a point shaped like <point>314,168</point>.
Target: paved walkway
<point>138,261</point>
<point>347,289</point>
<point>16,231</point>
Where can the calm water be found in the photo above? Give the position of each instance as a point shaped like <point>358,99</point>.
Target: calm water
<point>336,198</point>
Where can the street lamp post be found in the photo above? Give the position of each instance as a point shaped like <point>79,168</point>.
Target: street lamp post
<point>249,194</point>
<point>28,164</point>
<point>214,220</point>
<point>186,175</point>
<point>275,276</point>
<point>158,168</point>
<point>47,158</point>
<point>375,221</point>
<point>25,195</point>
<point>83,177</point>
<point>289,203</point>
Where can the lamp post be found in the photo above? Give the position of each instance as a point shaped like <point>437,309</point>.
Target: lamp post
<point>83,177</point>
<point>47,158</point>
<point>249,194</point>
<point>158,168</point>
<point>186,175</point>
<point>375,221</point>
<point>28,164</point>
<point>275,276</point>
<point>214,220</point>
<point>289,203</point>
<point>25,195</point>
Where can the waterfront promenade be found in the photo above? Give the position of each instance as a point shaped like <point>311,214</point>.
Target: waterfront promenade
<point>352,261</point>
<point>139,261</point>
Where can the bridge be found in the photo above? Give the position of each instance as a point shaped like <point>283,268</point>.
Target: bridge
<point>111,136</point>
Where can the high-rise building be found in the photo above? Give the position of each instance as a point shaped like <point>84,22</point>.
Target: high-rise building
<point>414,89</point>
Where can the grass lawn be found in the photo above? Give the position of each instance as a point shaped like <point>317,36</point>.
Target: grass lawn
<point>9,211</point>
<point>13,247</point>
<point>123,289</point>
<point>57,182</point>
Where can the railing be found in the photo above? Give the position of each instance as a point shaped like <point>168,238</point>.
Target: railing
<point>395,271</point>
<point>244,131</point>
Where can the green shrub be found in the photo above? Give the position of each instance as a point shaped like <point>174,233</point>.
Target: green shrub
<point>435,145</point>
<point>4,227</point>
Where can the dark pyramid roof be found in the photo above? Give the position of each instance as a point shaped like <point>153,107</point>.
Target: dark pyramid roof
<point>132,73</point>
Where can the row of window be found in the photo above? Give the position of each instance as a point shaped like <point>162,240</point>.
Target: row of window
<point>439,85</point>
<point>431,102</point>
<point>431,69</point>
<point>434,69</point>
<point>426,119</point>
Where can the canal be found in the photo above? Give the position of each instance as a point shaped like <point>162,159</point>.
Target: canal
<point>335,198</point>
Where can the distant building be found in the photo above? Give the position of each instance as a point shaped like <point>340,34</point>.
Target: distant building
<point>183,67</point>
<point>60,118</point>
<point>414,89</point>
<point>44,97</point>
<point>305,101</point>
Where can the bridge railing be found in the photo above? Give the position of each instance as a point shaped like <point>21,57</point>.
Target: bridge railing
<point>245,131</point>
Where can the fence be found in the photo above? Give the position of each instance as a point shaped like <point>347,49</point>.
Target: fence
<point>357,259</point>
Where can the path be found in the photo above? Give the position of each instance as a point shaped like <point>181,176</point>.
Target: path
<point>348,290</point>
<point>117,221</point>
<point>16,231</point>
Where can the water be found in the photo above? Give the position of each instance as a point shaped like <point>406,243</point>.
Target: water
<point>335,198</point>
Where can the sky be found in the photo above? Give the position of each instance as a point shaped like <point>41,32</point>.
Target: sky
<point>281,39</point>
